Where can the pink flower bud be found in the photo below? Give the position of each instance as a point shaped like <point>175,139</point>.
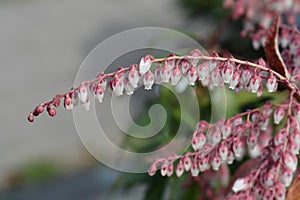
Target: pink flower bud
<point>170,170</point>
<point>237,147</point>
<point>203,70</point>
<point>278,115</point>
<point>38,110</point>
<point>145,64</point>
<point>164,168</point>
<point>216,162</point>
<point>165,73</point>
<point>246,76</point>
<point>133,77</point>
<point>102,83</point>
<point>255,82</point>
<point>194,168</point>
<point>82,93</point>
<point>271,83</point>
<point>293,147</point>
<point>171,63</point>
<point>286,176</point>
<point>192,75</point>
<point>230,157</point>
<point>202,125</point>
<point>240,184</point>
<point>252,140</point>
<point>68,102</point>
<point>117,86</point>
<point>204,164</point>
<point>234,80</point>
<point>51,110</point>
<point>187,163</point>
<point>198,141</point>
<point>280,191</point>
<point>225,130</point>
<point>99,93</point>
<point>276,153</point>
<point>227,72</point>
<point>269,178</point>
<point>175,76</point>
<point>30,117</point>
<point>128,87</point>
<point>290,160</point>
<point>184,66</point>
<point>179,169</point>
<point>148,80</point>
<point>152,169</point>
<point>237,121</point>
<point>280,137</point>
<point>223,151</point>
<point>264,124</point>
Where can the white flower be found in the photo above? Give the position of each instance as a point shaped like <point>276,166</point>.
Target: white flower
<point>145,65</point>
<point>239,184</point>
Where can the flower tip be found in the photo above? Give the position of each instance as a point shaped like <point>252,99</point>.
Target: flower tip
<point>30,117</point>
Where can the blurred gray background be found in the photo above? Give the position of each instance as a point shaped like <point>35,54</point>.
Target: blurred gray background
<point>42,44</point>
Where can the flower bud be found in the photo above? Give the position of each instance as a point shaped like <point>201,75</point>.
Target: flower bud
<point>255,83</point>
<point>165,73</point>
<point>204,164</point>
<point>184,66</point>
<point>179,169</point>
<point>237,147</point>
<point>223,151</point>
<point>148,80</point>
<point>230,157</point>
<point>227,72</point>
<point>203,70</point>
<point>192,75</point>
<point>216,162</point>
<point>51,110</point>
<point>278,115</point>
<point>175,76</point>
<point>187,163</point>
<point>68,102</point>
<point>251,140</point>
<point>128,87</point>
<point>240,184</point>
<point>145,64</point>
<point>234,80</point>
<point>117,86</point>
<point>286,176</point>
<point>164,168</point>
<point>280,137</point>
<point>152,169</point>
<point>99,93</point>
<point>30,117</point>
<point>290,160</point>
<point>133,77</point>
<point>194,168</point>
<point>271,83</point>
<point>170,170</point>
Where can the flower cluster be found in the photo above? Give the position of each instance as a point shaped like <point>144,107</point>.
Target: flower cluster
<point>269,134</point>
<point>259,14</point>
<point>212,71</point>
<point>227,140</point>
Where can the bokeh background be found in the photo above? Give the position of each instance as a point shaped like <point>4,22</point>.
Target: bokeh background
<point>42,44</point>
